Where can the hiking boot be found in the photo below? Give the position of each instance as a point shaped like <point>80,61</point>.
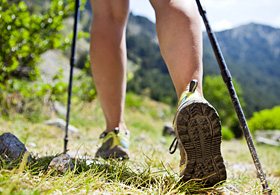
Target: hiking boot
<point>115,144</point>
<point>198,133</point>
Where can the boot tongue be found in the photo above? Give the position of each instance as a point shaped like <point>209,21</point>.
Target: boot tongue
<point>187,93</point>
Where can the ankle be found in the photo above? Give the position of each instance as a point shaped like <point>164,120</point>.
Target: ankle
<point>121,126</point>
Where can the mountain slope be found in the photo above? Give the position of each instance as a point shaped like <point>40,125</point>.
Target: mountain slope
<point>252,53</point>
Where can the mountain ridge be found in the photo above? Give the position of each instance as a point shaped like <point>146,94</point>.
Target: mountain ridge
<point>252,52</point>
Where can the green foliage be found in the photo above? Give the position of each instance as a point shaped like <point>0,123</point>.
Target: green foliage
<point>34,98</point>
<point>268,119</point>
<point>31,98</point>
<point>133,101</point>
<point>84,88</point>
<point>252,60</point>
<point>216,92</point>
<point>152,79</point>
<point>227,134</point>
<point>24,36</point>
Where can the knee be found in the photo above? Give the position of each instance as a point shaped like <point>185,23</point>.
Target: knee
<point>112,11</point>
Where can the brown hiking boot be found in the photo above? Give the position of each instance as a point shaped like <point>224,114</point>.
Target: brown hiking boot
<point>198,132</point>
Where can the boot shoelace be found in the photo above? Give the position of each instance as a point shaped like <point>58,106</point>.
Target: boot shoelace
<point>173,146</point>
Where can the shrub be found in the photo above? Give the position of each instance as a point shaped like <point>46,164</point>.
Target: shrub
<point>227,134</point>
<point>216,92</point>
<point>268,119</point>
<point>30,98</point>
<point>24,36</point>
<point>133,101</point>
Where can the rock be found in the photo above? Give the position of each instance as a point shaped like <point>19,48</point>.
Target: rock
<point>270,134</point>
<point>61,163</point>
<point>162,141</point>
<point>61,124</point>
<point>31,144</point>
<point>233,188</point>
<point>59,108</point>
<point>168,129</point>
<point>11,148</point>
<point>140,138</point>
<point>263,140</point>
<point>229,189</point>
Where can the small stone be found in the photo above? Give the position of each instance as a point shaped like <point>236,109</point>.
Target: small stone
<point>12,148</point>
<point>140,138</point>
<point>263,140</point>
<point>61,163</point>
<point>162,140</point>
<point>61,124</point>
<point>233,188</point>
<point>31,144</point>
<point>59,108</point>
<point>168,129</point>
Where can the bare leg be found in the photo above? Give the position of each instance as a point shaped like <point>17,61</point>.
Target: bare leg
<point>108,57</point>
<point>180,39</point>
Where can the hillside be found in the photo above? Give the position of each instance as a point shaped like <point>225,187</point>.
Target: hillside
<point>252,53</point>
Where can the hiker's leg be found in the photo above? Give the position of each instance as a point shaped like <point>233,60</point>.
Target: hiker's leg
<point>108,57</point>
<point>180,38</point>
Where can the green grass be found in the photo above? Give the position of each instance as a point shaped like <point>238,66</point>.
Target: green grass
<point>150,170</point>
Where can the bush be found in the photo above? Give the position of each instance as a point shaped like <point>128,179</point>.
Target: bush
<point>216,92</point>
<point>133,101</point>
<point>227,134</point>
<point>25,36</point>
<point>30,98</point>
<point>268,119</point>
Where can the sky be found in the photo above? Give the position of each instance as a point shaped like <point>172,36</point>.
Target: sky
<point>226,14</point>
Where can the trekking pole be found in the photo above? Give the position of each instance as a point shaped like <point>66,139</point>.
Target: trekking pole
<point>72,64</point>
<point>238,109</point>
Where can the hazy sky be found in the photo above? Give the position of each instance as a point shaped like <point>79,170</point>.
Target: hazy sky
<point>224,14</point>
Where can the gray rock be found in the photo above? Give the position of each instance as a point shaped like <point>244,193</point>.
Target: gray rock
<point>140,138</point>
<point>61,124</point>
<point>11,148</point>
<point>168,129</point>
<point>61,163</point>
<point>273,135</point>
<point>263,140</point>
<point>59,108</point>
<point>162,140</point>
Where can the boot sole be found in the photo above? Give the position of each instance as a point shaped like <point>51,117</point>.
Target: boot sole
<point>117,152</point>
<point>199,132</point>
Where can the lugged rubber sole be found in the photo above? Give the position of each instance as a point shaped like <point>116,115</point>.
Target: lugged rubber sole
<point>116,152</point>
<point>199,133</point>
